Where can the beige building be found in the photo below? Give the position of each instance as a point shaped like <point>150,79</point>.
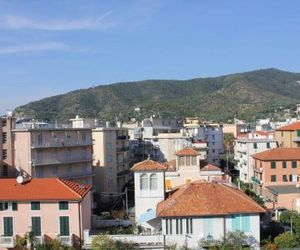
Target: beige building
<point>54,152</point>
<point>288,136</point>
<point>111,158</point>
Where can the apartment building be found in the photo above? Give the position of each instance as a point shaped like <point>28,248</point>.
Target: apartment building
<point>49,151</point>
<point>243,149</point>
<point>51,208</point>
<point>276,177</point>
<point>288,136</point>
<point>111,158</point>
<point>7,123</point>
<point>212,134</point>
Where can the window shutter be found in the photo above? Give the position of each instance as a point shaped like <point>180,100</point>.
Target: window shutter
<point>64,226</point>
<point>36,225</point>
<point>8,226</point>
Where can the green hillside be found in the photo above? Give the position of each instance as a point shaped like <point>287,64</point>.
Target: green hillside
<point>220,98</point>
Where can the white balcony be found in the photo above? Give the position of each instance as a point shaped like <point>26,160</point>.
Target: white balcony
<point>66,240</point>
<point>7,242</point>
<point>61,160</point>
<point>65,143</point>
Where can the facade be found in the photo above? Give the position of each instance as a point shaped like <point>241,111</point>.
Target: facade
<point>206,212</point>
<point>54,152</point>
<point>212,134</point>
<point>276,176</point>
<point>111,158</point>
<point>7,147</point>
<point>243,150</point>
<point>50,208</point>
<point>236,129</point>
<point>149,190</point>
<point>288,136</point>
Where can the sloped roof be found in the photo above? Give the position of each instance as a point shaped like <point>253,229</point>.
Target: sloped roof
<point>210,167</point>
<point>46,189</point>
<point>278,154</point>
<point>291,127</point>
<point>187,151</point>
<point>207,198</point>
<point>149,165</point>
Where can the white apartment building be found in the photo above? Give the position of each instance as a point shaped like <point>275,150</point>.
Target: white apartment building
<point>212,134</point>
<point>244,148</point>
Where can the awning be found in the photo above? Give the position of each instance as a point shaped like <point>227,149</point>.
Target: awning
<point>149,215</point>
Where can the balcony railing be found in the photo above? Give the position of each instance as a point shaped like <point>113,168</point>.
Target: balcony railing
<point>123,149</point>
<point>296,139</point>
<point>65,143</point>
<point>61,160</point>
<point>122,137</point>
<point>38,240</point>
<point>66,240</point>
<point>257,181</point>
<point>75,175</point>
<point>7,242</point>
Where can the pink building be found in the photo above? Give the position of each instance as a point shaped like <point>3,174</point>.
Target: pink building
<point>50,208</point>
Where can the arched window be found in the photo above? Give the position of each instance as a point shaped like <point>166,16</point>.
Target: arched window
<point>153,181</point>
<point>144,182</point>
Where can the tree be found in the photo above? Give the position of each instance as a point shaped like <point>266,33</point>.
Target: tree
<point>103,241</point>
<point>286,240</point>
<point>291,218</point>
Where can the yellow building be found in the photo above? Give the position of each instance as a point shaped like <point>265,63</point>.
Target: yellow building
<point>288,136</point>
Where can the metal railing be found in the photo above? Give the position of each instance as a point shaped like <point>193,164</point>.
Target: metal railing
<point>66,240</point>
<point>65,143</point>
<point>60,160</point>
<point>7,241</point>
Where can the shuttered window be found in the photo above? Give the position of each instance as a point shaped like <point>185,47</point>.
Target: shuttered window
<point>63,205</point>
<point>35,205</point>
<point>64,226</point>
<point>14,206</point>
<point>8,226</point>
<point>36,226</point>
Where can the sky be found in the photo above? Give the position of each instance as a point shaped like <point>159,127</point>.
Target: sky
<point>52,47</point>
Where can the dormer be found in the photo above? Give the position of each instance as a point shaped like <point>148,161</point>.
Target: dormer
<point>187,158</point>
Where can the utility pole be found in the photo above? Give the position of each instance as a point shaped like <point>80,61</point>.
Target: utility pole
<point>126,200</point>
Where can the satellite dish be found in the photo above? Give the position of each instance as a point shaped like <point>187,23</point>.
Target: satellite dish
<point>20,179</point>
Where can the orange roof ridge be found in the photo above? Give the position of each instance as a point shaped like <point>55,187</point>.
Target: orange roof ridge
<point>290,127</point>
<point>67,182</point>
<point>278,154</point>
<point>187,151</point>
<point>149,165</point>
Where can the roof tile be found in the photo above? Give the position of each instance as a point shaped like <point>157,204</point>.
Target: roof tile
<point>149,165</point>
<point>291,127</point>
<point>278,154</point>
<point>187,151</point>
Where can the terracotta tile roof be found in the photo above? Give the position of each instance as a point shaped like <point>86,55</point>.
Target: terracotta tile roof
<point>45,189</point>
<point>210,167</point>
<point>263,133</point>
<point>149,165</point>
<point>207,198</point>
<point>291,127</point>
<point>187,151</point>
<point>278,154</point>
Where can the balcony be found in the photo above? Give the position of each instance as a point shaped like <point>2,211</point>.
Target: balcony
<point>7,242</point>
<point>257,181</point>
<point>75,175</point>
<point>66,240</point>
<point>61,160</point>
<point>123,149</point>
<point>59,144</point>
<point>122,137</point>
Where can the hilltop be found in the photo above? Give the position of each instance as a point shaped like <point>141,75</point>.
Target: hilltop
<point>245,95</point>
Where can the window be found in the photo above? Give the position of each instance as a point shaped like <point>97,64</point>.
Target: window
<point>268,145</point>
<point>181,161</point>
<point>8,226</point>
<point>35,205</point>
<point>40,139</point>
<point>284,178</point>
<point>3,206</point>
<point>36,226</point>
<point>298,133</point>
<point>273,164</point>
<point>284,164</point>
<point>281,133</point>
<point>177,226</point>
<point>109,145</point>
<point>291,178</point>
<point>153,182</point>
<point>144,182</point>
<point>255,145</point>
<point>273,178</point>
<point>64,225</point>
<point>4,154</point>
<point>188,161</point>
<point>5,170</point>
<point>240,223</point>
<point>208,226</point>
<point>83,137</point>
<point>180,226</point>
<point>109,158</point>
<point>189,225</point>
<point>63,205</point>
<point>14,206</point>
<point>194,160</point>
<point>167,228</point>
<point>4,123</point>
<point>4,137</point>
<point>294,164</point>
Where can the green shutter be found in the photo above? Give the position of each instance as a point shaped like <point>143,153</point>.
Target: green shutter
<point>298,133</point>
<point>245,223</point>
<point>268,144</point>
<point>273,164</point>
<point>36,225</point>
<point>235,223</point>
<point>284,164</point>
<point>14,206</point>
<point>294,164</point>
<point>35,205</point>
<point>64,225</point>
<point>63,205</point>
<point>255,145</point>
<point>8,226</point>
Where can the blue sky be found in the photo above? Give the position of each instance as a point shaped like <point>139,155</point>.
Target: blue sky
<point>52,47</point>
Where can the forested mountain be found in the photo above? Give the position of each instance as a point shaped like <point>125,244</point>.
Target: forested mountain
<point>245,95</point>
